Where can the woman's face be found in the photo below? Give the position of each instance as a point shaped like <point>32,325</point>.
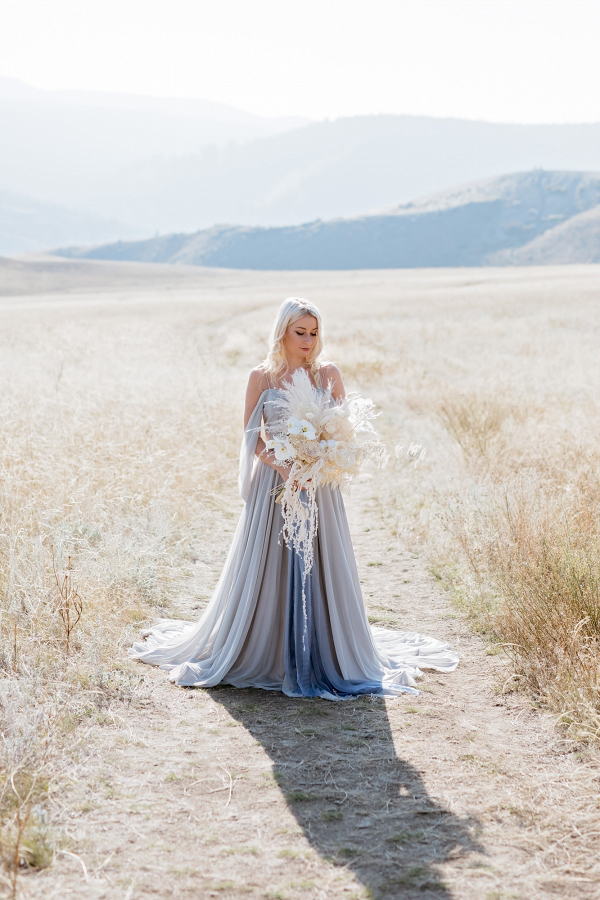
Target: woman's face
<point>299,339</point>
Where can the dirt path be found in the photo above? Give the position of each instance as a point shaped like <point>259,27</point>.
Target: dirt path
<point>460,793</point>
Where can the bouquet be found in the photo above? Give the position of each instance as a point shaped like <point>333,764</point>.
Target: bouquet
<point>325,443</point>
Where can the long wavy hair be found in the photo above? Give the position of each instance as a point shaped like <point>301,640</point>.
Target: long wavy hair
<point>289,312</point>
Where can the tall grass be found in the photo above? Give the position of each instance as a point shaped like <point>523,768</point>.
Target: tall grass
<point>501,388</point>
<point>113,473</point>
<point>119,434</point>
<point>533,548</point>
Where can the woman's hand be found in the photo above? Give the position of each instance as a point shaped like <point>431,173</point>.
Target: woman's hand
<point>269,458</point>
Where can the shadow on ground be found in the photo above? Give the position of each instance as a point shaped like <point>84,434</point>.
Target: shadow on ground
<point>359,804</point>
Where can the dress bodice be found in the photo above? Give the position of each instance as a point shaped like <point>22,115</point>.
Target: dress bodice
<point>271,410</point>
<point>267,413</point>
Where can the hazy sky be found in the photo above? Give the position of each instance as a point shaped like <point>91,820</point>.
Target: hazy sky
<point>501,60</point>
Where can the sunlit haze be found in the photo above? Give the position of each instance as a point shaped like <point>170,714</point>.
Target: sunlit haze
<point>500,60</point>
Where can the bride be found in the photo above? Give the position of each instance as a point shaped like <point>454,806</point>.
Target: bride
<point>258,630</point>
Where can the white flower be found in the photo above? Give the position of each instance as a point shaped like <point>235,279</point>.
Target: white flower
<point>270,445</point>
<point>307,430</point>
<point>328,445</point>
<point>283,450</point>
<point>294,425</point>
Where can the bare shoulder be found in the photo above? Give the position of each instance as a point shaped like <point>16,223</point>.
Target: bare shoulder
<point>332,377</point>
<point>257,383</point>
<point>258,380</point>
<point>331,371</point>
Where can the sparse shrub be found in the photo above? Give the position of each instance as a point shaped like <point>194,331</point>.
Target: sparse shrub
<point>477,423</point>
<point>69,604</point>
<point>537,555</point>
<point>38,844</point>
<point>299,797</point>
<point>27,839</point>
<point>332,815</point>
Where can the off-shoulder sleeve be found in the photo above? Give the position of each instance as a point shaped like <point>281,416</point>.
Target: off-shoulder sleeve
<point>248,449</point>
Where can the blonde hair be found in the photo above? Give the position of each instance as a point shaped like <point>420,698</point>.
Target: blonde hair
<point>289,312</point>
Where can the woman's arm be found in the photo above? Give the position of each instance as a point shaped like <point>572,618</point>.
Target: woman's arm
<point>257,383</point>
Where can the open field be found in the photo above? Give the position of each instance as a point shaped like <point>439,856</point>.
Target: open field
<point>120,413</point>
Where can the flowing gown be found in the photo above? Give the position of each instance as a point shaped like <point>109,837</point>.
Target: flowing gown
<point>258,631</point>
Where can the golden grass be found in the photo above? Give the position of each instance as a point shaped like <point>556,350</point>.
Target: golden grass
<point>513,526</point>
<point>110,479</point>
<point>500,385</point>
<point>119,436</point>
<point>534,551</point>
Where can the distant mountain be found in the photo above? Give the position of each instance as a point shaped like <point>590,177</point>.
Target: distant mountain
<point>170,165</point>
<point>476,224</point>
<point>59,145</point>
<point>180,107</point>
<point>27,225</point>
<point>331,169</point>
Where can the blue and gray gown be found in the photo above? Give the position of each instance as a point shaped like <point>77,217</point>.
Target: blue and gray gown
<point>257,632</point>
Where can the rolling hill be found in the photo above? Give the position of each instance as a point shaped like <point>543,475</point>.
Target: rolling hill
<point>28,225</point>
<point>486,222</point>
<point>172,165</point>
<point>575,241</point>
<point>64,147</point>
<point>330,169</point>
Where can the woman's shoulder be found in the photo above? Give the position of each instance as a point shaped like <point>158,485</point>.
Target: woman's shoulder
<point>330,374</point>
<point>331,378</point>
<point>330,370</point>
<point>259,379</point>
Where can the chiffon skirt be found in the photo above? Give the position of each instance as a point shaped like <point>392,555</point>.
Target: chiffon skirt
<point>261,630</point>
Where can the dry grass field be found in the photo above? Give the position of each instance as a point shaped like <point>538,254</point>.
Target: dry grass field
<point>121,389</point>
